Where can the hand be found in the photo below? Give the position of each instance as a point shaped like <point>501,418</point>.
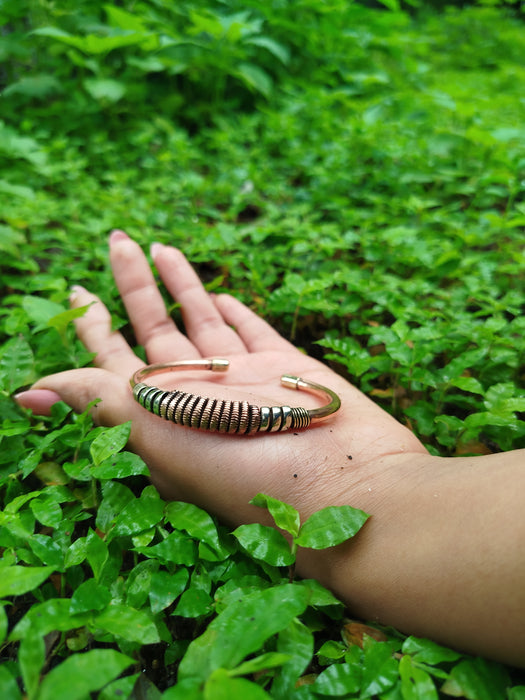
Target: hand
<point>311,468</point>
<point>441,555</point>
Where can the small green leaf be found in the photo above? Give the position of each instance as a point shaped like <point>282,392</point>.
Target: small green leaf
<point>81,674</point>
<point>265,543</point>
<point>330,526</point>
<point>271,659</point>
<point>52,615</point>
<point>176,548</point>
<point>17,580</point>
<point>105,89</point>
<point>138,515</point>
<point>285,516</point>
<point>194,603</point>
<point>109,441</point>
<point>297,641</point>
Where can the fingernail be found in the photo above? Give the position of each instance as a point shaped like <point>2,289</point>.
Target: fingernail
<point>116,236</point>
<point>76,289</point>
<point>155,249</point>
<point>37,400</point>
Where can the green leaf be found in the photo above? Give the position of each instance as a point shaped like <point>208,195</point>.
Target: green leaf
<point>241,629</point>
<point>338,680</point>
<point>296,641</point>
<point>17,580</point>
<point>81,674</point>
<point>52,615</point>
<point>285,516</point>
<point>428,652</point>
<point>89,595</point>
<point>166,587</point>
<point>416,684</point>
<point>105,89</point>
<point>220,686</point>
<point>271,659</point>
<point>109,441</point>
<point>17,366</point>
<point>120,466</point>
<point>31,658</point>
<point>9,689</point>
<point>138,515</point>
<point>380,668</point>
<point>125,622</point>
<point>194,602</point>
<point>265,543</point>
<point>478,679</point>
<point>255,77</point>
<point>196,522</point>
<point>176,548</point>
<point>330,526</point>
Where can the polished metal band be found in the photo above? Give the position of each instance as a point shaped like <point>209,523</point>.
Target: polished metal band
<point>224,416</point>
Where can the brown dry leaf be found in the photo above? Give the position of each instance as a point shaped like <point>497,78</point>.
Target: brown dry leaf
<point>353,633</point>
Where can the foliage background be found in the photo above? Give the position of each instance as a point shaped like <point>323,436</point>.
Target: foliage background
<point>354,173</point>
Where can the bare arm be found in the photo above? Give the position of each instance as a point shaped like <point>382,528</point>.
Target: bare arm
<point>442,555</point>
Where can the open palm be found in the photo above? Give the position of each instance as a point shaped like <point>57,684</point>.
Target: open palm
<point>310,468</point>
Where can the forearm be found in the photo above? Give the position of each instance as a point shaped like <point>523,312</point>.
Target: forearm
<point>442,556</point>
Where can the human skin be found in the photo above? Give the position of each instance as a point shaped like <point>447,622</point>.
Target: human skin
<point>442,555</point>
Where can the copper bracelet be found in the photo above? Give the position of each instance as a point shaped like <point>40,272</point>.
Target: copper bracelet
<point>224,416</point>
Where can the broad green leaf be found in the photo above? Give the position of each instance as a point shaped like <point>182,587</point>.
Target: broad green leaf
<point>115,497</point>
<point>41,310</point>
<point>338,680</point>
<point>17,580</point>
<point>138,515</point>
<point>96,553</point>
<point>119,466</point>
<point>89,595</point>
<point>52,615</point>
<point>271,659</point>
<point>478,679</point>
<point>255,77</point>
<point>468,384</point>
<point>125,622</point>
<point>48,551</point>
<point>47,511</point>
<point>166,587</point>
<point>109,441</point>
<point>120,689</point>
<point>416,684</point>
<point>138,582</point>
<point>285,516</point>
<point>297,642</point>
<point>194,602</point>
<point>220,686</point>
<point>176,548</point>
<point>105,89</point>
<point>4,622</point>
<point>9,689</point>
<point>194,521</point>
<point>278,50</point>
<point>92,43</point>
<point>428,652</point>
<point>82,674</point>
<point>265,543</point>
<point>31,658</point>
<point>241,629</point>
<point>61,321</point>
<point>189,689</point>
<point>380,668</point>
<point>17,367</point>
<point>330,527</point>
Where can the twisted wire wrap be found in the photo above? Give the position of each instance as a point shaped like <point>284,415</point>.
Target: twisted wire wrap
<point>224,416</point>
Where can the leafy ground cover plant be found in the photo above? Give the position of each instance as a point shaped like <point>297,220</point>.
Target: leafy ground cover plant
<point>357,177</point>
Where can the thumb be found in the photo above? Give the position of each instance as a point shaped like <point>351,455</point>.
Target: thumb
<point>78,388</point>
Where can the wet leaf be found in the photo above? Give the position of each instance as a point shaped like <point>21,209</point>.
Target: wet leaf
<point>265,543</point>
<point>330,527</point>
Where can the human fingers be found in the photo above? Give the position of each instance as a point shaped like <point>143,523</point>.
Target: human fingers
<point>80,387</point>
<point>94,330</point>
<point>154,329</point>
<point>204,323</point>
<point>257,334</point>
